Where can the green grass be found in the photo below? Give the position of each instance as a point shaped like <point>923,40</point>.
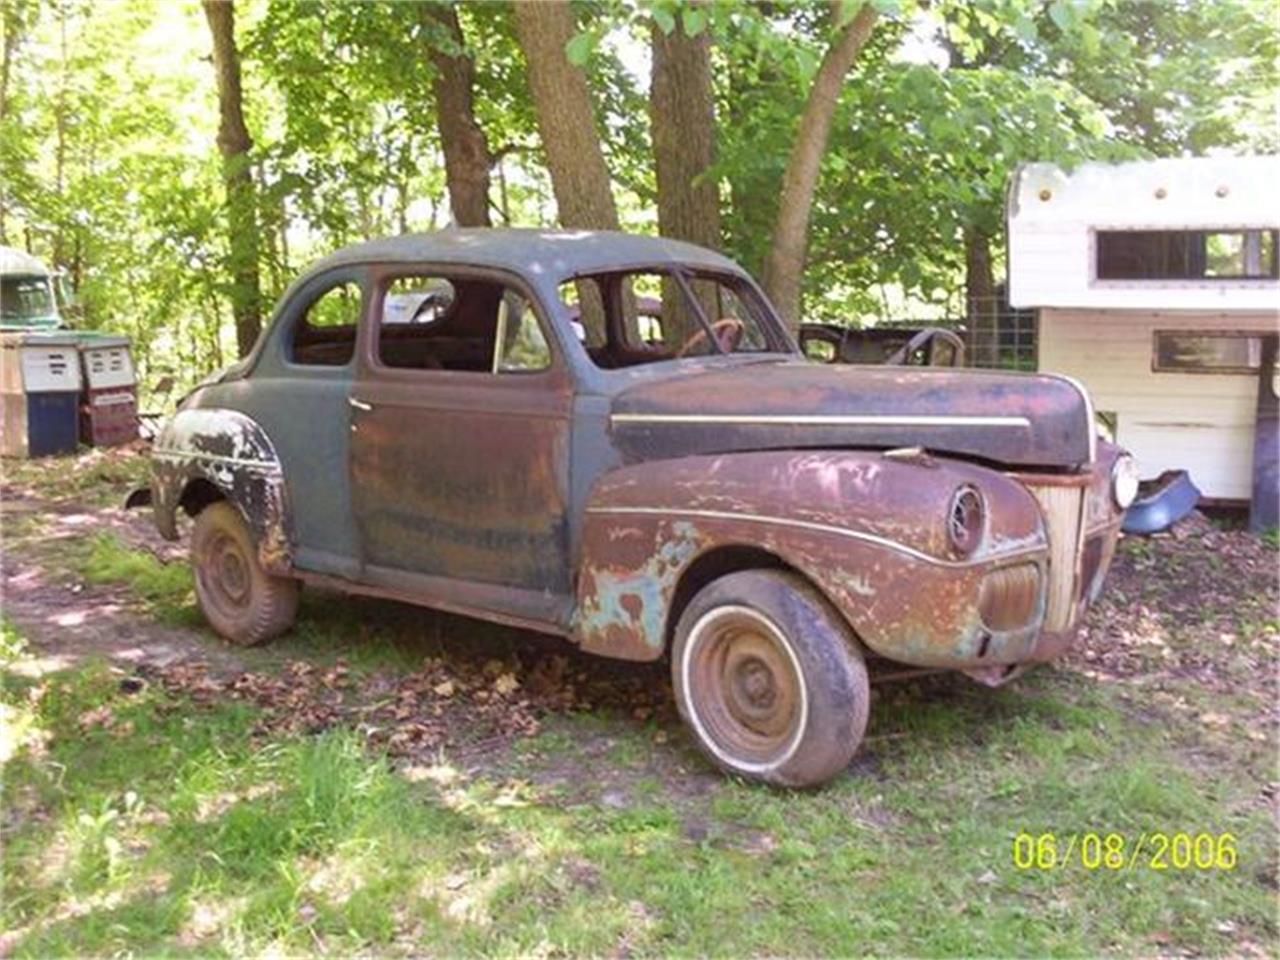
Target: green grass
<point>174,829</point>
<point>138,824</point>
<point>12,644</point>
<point>165,589</point>
<point>98,477</point>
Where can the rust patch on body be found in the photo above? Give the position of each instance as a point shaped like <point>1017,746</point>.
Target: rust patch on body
<point>624,595</point>
<point>869,531</point>
<point>233,453</point>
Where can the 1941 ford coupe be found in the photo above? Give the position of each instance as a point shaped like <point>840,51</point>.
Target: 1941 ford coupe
<point>614,439</point>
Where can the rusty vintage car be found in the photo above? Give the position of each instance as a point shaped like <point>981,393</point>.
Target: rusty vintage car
<point>613,439</point>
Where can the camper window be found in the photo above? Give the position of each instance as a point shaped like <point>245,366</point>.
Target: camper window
<point>1186,255</point>
<point>1181,351</point>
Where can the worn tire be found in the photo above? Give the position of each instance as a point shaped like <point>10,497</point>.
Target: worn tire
<point>770,679</point>
<point>241,601</point>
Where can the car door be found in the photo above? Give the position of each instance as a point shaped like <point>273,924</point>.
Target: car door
<point>460,445</point>
<point>298,393</point>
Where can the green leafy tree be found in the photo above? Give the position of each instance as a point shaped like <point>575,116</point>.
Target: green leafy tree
<point>788,244</point>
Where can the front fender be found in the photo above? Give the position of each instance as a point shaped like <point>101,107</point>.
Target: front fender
<point>868,530</point>
<point>233,453</point>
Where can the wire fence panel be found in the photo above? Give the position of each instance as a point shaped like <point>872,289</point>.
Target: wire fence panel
<point>997,337</point>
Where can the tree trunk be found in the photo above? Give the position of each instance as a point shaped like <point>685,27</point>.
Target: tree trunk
<point>11,19</point>
<point>466,151</point>
<point>682,119</point>
<point>567,129</point>
<point>60,144</point>
<point>566,121</point>
<point>235,146</point>
<point>784,265</point>
<point>980,299</point>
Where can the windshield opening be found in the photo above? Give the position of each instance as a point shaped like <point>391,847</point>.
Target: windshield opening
<point>25,298</point>
<point>644,316</point>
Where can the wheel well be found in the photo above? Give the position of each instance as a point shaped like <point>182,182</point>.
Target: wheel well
<point>712,565</point>
<point>198,494</point>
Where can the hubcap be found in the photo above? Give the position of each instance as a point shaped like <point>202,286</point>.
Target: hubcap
<point>744,687</point>
<point>232,574</point>
<point>225,574</point>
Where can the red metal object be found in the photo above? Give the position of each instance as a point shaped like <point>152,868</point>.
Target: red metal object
<point>109,417</point>
<point>109,399</point>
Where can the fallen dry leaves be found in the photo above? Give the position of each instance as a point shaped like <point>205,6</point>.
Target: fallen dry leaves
<point>466,705</point>
<point>1200,605</point>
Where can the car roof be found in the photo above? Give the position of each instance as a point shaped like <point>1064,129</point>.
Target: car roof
<point>532,253</point>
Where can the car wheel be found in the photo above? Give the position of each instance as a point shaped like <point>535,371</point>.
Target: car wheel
<point>770,679</point>
<point>241,601</point>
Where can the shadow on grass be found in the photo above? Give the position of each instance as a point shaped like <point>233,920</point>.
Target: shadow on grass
<point>606,832</point>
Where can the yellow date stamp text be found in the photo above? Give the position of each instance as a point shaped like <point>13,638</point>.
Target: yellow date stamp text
<point>1155,850</point>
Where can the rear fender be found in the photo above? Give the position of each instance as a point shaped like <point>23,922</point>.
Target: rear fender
<point>233,453</point>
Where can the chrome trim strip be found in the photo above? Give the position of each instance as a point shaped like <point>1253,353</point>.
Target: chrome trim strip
<point>266,465</point>
<point>819,420</point>
<point>821,528</point>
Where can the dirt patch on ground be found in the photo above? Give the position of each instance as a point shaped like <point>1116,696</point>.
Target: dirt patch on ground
<point>68,620</point>
<point>1198,605</point>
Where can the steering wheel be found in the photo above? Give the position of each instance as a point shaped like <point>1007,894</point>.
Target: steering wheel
<point>727,331</point>
<point>431,309</point>
<point>903,354</point>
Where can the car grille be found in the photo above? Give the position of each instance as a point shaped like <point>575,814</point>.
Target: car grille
<point>1010,597</point>
<point>1063,508</point>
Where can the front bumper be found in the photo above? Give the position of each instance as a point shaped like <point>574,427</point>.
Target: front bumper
<point>1173,497</point>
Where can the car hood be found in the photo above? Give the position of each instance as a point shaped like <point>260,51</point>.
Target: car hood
<point>1023,420</point>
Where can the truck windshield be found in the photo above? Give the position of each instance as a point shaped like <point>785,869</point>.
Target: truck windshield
<point>25,299</point>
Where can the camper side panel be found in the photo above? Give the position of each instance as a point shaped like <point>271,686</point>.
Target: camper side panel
<point>1200,422</point>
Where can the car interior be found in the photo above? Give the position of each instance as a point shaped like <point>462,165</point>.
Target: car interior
<point>428,323</point>
<point>479,325</point>
<point>636,317</point>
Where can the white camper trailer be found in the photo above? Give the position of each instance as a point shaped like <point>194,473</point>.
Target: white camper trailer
<point>1157,286</point>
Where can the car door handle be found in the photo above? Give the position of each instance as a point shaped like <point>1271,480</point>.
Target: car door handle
<point>359,404</point>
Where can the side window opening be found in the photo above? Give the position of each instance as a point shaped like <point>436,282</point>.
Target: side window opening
<point>325,334</point>
<point>584,300</point>
<point>25,298</point>
<point>520,346</point>
<point>417,300</point>
<point>819,350</point>
<point>459,324</point>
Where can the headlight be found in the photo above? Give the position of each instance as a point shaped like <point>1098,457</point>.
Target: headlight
<point>966,521</point>
<point>1124,481</point>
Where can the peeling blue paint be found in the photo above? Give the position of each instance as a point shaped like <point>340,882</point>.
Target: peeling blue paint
<point>635,601</point>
